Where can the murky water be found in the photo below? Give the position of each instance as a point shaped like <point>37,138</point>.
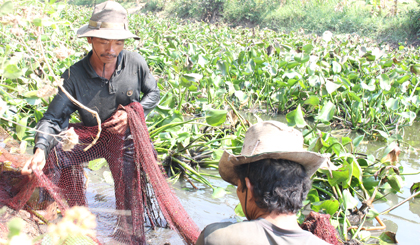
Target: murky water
<point>404,220</point>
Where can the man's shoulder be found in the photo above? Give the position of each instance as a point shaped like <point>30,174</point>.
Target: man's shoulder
<point>232,233</point>
<point>255,232</point>
<point>133,57</point>
<point>76,69</point>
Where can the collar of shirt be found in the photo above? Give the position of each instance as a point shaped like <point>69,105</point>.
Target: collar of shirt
<point>92,73</point>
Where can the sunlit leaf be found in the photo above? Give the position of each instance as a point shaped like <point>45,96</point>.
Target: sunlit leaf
<point>349,201</point>
<point>218,192</point>
<point>327,112</point>
<point>21,128</point>
<point>97,164</point>
<point>215,117</point>
<point>295,118</point>
<point>6,8</point>
<point>239,211</point>
<point>330,206</point>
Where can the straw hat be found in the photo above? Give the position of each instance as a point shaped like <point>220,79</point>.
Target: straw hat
<point>270,139</point>
<point>108,21</point>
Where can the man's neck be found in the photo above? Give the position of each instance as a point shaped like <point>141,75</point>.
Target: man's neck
<point>104,70</point>
<point>283,221</point>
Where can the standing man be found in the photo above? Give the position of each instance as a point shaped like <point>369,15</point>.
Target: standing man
<point>109,80</point>
<point>107,77</point>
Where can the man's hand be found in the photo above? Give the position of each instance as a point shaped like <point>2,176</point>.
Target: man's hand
<point>118,123</point>
<point>36,162</point>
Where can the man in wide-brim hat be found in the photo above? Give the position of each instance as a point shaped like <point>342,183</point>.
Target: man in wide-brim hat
<point>106,80</point>
<point>107,77</point>
<point>272,175</point>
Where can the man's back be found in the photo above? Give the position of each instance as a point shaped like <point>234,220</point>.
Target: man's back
<point>256,232</point>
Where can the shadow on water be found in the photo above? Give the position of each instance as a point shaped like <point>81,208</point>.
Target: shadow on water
<point>404,220</point>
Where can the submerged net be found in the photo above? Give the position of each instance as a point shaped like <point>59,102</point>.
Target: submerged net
<point>142,194</point>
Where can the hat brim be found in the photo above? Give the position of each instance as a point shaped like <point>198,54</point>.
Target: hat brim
<point>311,161</point>
<point>112,34</point>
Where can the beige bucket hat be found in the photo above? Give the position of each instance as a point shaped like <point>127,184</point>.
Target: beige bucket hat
<point>270,139</point>
<point>109,21</point>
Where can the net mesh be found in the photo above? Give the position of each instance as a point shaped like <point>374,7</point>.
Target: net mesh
<point>143,197</point>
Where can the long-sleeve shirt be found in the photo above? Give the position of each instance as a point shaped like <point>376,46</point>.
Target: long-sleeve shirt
<point>130,79</point>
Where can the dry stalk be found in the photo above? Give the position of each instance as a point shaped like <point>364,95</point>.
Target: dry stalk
<point>94,113</point>
<point>72,99</point>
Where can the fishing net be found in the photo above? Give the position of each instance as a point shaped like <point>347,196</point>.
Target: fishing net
<point>319,225</point>
<point>143,197</point>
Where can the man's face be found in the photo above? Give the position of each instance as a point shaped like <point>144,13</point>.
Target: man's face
<point>106,50</point>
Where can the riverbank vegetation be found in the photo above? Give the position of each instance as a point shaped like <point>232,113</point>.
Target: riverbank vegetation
<point>381,20</point>
<point>208,74</point>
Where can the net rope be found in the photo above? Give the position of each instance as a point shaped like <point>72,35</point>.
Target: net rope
<point>142,193</point>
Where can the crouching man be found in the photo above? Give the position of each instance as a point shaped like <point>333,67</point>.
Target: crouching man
<point>272,175</point>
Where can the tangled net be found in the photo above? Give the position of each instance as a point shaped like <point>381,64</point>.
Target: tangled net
<point>319,225</point>
<point>141,191</point>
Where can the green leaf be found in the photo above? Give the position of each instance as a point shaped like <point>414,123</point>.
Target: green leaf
<point>195,77</point>
<point>239,211</point>
<point>388,237</point>
<point>392,104</point>
<point>37,22</point>
<point>341,176</point>
<point>327,112</point>
<point>357,140</point>
<point>395,181</point>
<point>372,213</point>
<point>97,164</point>
<point>20,130</point>
<point>6,8</point>
<point>331,86</point>
<point>218,192</point>
<point>15,226</point>
<point>415,188</point>
<point>349,201</point>
<point>307,48</point>
<point>336,67</point>
<point>295,118</point>
<point>12,71</point>
<point>330,206</point>
<point>215,117</point>
<point>108,177</point>
<point>312,100</point>
<point>384,82</point>
<point>241,95</point>
<point>176,117</point>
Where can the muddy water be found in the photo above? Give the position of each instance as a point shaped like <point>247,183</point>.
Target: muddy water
<point>405,220</point>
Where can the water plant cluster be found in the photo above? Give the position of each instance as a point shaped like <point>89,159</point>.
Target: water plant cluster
<point>208,73</point>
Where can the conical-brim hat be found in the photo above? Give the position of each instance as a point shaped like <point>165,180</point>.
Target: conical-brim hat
<point>270,140</point>
<point>109,21</point>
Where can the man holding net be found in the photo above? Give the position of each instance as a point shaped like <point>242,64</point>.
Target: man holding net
<point>109,80</point>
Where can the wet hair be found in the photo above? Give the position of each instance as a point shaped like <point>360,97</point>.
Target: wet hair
<point>279,185</point>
